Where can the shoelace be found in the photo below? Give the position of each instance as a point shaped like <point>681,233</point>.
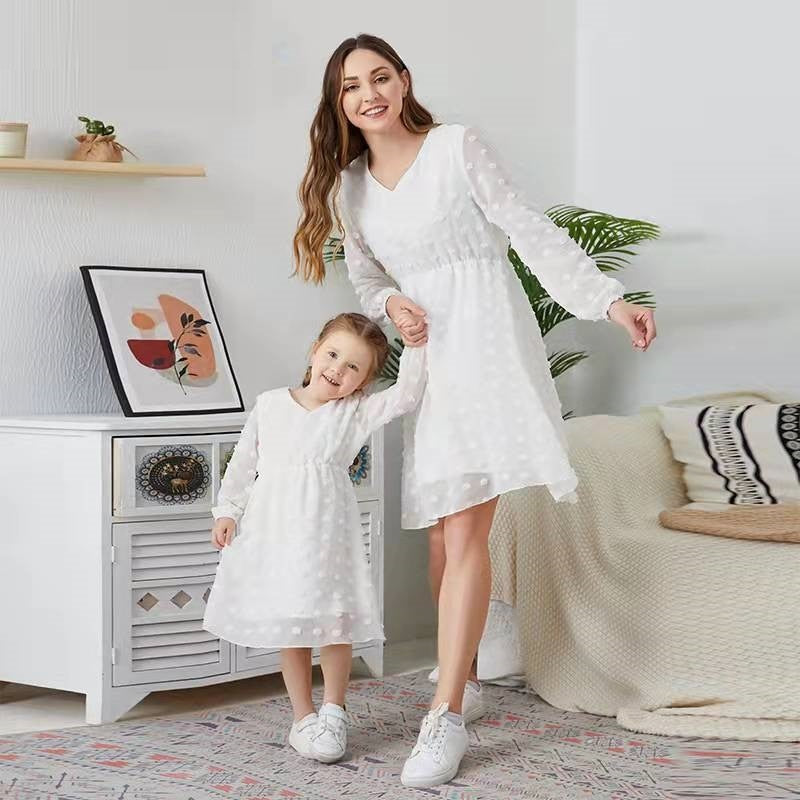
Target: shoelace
<point>432,732</point>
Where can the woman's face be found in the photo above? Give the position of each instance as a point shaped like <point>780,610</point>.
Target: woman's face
<point>372,91</point>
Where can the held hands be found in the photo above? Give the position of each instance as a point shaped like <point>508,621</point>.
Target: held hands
<point>409,318</point>
<point>222,532</point>
<point>638,321</point>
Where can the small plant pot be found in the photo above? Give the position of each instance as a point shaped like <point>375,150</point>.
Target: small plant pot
<point>13,139</point>
<point>93,147</point>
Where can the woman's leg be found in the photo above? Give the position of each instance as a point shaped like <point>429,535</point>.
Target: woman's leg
<point>436,563</point>
<point>296,669</point>
<point>336,660</point>
<point>463,598</point>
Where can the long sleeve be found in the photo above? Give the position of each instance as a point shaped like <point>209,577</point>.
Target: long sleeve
<point>570,277</point>
<point>377,409</point>
<point>373,286</point>
<point>241,472</point>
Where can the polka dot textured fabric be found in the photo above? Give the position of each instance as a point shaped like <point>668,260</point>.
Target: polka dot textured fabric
<point>490,419</point>
<point>296,574</point>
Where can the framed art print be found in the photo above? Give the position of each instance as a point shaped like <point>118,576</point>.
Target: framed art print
<point>161,340</point>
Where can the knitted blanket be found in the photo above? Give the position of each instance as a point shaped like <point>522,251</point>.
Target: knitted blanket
<point>670,632</point>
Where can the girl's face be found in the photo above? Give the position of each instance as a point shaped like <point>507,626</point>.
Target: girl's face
<point>340,365</point>
<point>372,91</point>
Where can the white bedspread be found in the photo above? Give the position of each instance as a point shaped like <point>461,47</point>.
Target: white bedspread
<point>671,632</point>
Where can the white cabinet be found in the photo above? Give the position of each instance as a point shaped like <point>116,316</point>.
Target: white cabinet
<point>104,583</point>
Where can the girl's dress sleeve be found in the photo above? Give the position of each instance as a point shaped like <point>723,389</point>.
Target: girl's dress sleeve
<point>377,409</point>
<point>240,474</point>
<point>373,286</point>
<point>570,277</point>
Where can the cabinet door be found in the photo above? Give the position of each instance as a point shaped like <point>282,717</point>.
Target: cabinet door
<point>248,658</point>
<point>162,577</point>
<point>372,532</point>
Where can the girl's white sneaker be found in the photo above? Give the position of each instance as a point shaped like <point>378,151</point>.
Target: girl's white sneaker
<point>301,734</point>
<point>329,741</point>
<point>437,754</point>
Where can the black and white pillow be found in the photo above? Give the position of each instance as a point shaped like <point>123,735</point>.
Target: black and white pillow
<point>738,455</point>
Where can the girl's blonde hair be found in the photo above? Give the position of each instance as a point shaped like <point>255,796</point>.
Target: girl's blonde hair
<point>335,142</point>
<point>366,330</point>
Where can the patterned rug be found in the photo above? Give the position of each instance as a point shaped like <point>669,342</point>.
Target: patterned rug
<point>522,749</point>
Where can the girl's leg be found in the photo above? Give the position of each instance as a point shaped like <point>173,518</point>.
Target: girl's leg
<point>463,598</point>
<point>336,660</point>
<point>330,741</point>
<point>436,564</point>
<point>296,669</point>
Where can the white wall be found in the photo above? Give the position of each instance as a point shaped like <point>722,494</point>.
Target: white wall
<point>234,86</point>
<point>687,115</point>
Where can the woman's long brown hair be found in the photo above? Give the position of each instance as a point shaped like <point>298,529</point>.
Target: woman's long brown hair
<point>335,142</point>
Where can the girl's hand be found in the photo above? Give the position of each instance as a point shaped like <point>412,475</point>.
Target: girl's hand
<point>409,318</point>
<point>638,321</point>
<point>222,532</point>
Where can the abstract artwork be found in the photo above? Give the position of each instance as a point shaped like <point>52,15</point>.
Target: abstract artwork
<point>161,340</point>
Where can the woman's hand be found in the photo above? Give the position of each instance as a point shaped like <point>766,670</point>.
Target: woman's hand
<point>638,321</point>
<point>222,532</point>
<point>409,319</point>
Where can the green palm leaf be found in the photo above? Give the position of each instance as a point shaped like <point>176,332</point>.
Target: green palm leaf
<point>562,360</point>
<point>392,366</point>
<point>333,250</point>
<point>604,237</point>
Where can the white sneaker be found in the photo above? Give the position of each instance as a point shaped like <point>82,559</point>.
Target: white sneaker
<point>437,754</point>
<point>329,741</point>
<point>301,734</point>
<point>472,706</point>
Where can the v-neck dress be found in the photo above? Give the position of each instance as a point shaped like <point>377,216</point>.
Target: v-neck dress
<point>296,573</point>
<point>490,419</point>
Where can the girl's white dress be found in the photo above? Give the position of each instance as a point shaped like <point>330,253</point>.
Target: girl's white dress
<point>490,419</point>
<point>296,574</point>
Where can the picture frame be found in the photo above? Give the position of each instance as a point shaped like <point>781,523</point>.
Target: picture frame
<point>161,340</point>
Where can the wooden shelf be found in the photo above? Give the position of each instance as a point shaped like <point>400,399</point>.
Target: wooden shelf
<point>102,168</point>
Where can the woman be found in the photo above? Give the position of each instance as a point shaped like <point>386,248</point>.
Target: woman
<point>427,212</point>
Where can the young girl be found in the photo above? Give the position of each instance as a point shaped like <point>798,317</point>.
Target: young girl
<point>296,576</point>
<point>427,212</point>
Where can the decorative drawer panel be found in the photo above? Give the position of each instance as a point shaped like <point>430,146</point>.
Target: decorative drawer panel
<point>168,476</point>
<point>366,469</point>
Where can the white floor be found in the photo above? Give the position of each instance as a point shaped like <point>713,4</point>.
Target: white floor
<point>31,708</point>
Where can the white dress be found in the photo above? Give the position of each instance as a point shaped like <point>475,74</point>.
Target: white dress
<point>490,419</point>
<point>296,574</point>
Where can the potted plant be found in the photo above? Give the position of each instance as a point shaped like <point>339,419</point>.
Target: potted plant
<point>98,143</point>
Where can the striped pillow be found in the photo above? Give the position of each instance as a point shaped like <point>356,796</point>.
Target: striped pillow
<point>737,455</point>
